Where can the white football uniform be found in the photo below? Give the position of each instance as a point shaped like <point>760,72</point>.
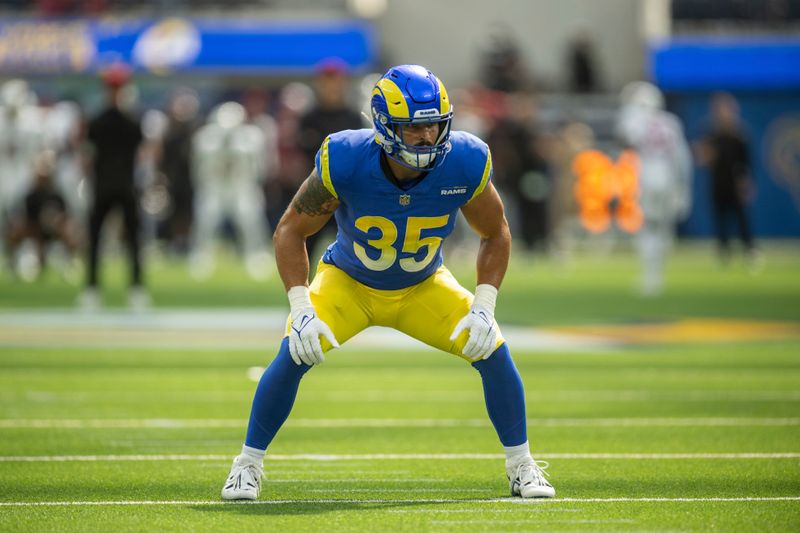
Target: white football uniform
<point>62,130</point>
<point>228,171</point>
<point>664,184</point>
<point>20,142</point>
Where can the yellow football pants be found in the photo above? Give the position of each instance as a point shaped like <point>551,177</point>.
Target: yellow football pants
<point>428,311</point>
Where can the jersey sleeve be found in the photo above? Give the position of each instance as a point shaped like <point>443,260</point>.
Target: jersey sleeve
<point>479,170</point>
<point>334,162</point>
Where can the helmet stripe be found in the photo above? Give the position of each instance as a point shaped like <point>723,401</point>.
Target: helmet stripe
<point>487,171</point>
<point>444,100</point>
<point>395,101</point>
<point>326,170</point>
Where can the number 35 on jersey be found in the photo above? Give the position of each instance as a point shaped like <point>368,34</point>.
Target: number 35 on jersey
<point>385,247</point>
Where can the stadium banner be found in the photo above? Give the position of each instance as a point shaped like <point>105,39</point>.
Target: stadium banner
<point>173,44</point>
<point>726,63</point>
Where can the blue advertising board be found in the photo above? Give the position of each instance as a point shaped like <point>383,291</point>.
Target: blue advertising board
<point>176,44</point>
<point>730,63</point>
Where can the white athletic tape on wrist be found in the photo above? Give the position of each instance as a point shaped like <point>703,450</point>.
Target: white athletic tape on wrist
<point>299,298</point>
<point>486,297</point>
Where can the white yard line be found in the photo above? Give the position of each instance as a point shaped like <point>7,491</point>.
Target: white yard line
<point>186,319</point>
<point>516,501</point>
<point>257,328</point>
<point>391,457</point>
<point>174,423</point>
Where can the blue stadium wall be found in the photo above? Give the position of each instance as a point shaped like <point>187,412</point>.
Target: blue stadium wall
<point>765,78</point>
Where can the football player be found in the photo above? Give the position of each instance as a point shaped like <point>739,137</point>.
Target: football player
<point>395,191</point>
<point>228,171</point>
<point>21,139</point>
<point>665,172</point>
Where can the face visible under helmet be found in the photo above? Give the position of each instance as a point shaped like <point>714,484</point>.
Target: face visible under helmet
<point>411,94</point>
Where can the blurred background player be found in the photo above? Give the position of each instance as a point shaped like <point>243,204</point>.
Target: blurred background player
<point>63,134</point>
<point>229,163</point>
<point>330,113</point>
<point>115,136</point>
<point>570,140</point>
<point>21,138</point>
<point>522,171</point>
<point>257,104</point>
<point>45,221</point>
<point>292,102</point>
<point>665,170</point>
<point>174,165</point>
<point>726,151</point>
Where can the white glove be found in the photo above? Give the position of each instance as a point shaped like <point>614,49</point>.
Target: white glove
<point>480,323</point>
<point>304,344</point>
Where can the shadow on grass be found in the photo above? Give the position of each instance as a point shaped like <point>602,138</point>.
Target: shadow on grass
<point>309,507</point>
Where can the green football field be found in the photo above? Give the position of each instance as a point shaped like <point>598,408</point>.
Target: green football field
<point>677,413</point>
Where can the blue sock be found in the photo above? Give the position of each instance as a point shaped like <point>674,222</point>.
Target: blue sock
<point>505,396</point>
<point>274,398</point>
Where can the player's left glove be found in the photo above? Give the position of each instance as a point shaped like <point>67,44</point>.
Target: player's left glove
<point>480,323</point>
<point>306,329</point>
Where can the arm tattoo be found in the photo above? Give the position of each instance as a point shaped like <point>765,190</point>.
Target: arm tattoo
<point>314,199</point>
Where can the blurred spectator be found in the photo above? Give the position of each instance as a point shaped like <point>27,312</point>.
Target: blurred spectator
<point>725,150</point>
<point>256,103</point>
<point>571,139</point>
<point>502,66</point>
<point>21,137</point>
<point>45,221</point>
<point>472,117</point>
<point>521,171</point>
<point>664,171</point>
<point>582,64</point>
<point>294,100</point>
<point>116,137</point>
<point>228,172</point>
<point>331,113</point>
<point>175,168</point>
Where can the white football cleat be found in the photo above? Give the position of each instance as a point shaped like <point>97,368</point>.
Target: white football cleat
<point>528,480</point>
<point>244,481</point>
<point>138,299</point>
<point>89,300</point>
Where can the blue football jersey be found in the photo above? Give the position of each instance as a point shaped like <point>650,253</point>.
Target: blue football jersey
<point>390,237</point>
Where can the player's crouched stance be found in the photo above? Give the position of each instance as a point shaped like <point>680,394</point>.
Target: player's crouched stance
<point>395,191</point>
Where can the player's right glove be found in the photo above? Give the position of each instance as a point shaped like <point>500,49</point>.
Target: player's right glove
<point>306,328</point>
<point>480,323</point>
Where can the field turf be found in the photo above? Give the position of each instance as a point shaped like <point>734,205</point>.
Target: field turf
<point>682,417</point>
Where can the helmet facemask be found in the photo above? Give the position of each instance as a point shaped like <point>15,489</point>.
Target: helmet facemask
<point>416,156</point>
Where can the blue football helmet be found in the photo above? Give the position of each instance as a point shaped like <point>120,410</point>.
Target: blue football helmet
<point>411,94</point>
